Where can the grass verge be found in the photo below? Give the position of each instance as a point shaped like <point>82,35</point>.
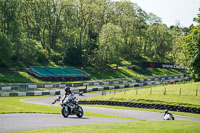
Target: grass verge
<point>128,127</point>
<point>14,105</point>
<point>155,95</point>
<point>143,109</point>
<point>122,72</point>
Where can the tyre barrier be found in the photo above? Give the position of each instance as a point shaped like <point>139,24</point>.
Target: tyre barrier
<point>145,105</point>
<point>34,93</point>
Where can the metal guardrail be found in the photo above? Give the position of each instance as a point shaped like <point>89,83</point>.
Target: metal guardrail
<point>34,93</point>
<point>106,85</point>
<point>35,86</point>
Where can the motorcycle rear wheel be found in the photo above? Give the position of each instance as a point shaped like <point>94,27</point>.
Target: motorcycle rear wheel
<point>79,113</point>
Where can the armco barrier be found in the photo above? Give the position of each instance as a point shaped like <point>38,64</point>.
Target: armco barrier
<point>29,86</point>
<point>145,105</point>
<point>124,80</point>
<point>79,90</point>
<point>32,86</point>
<point>34,93</point>
<point>101,88</point>
<point>130,85</point>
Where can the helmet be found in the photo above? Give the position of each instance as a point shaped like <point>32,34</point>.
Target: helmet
<point>166,111</point>
<point>67,89</point>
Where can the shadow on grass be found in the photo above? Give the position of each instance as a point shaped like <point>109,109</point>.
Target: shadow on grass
<point>159,71</point>
<point>107,74</point>
<point>119,73</point>
<point>14,78</point>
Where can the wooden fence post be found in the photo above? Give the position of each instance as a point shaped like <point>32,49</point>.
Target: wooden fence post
<point>180,92</point>
<point>164,91</point>
<point>150,91</point>
<point>196,92</point>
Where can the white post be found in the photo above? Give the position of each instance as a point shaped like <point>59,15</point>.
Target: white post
<point>18,87</point>
<point>26,86</point>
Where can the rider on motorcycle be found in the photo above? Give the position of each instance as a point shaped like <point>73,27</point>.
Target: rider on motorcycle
<point>69,104</point>
<point>167,113</point>
<point>69,96</point>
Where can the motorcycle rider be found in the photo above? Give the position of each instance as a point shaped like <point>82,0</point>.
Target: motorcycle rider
<point>68,96</point>
<point>168,113</point>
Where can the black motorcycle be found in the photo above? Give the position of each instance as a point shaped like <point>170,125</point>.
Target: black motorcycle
<point>70,107</point>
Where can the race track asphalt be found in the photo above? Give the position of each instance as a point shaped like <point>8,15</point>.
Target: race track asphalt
<point>29,121</point>
<point>143,115</point>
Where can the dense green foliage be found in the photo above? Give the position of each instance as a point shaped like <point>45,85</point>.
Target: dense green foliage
<point>188,48</point>
<point>5,50</point>
<point>79,33</point>
<point>94,33</point>
<point>192,42</point>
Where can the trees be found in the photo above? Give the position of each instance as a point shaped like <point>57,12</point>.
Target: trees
<point>82,32</point>
<point>110,44</point>
<point>160,42</point>
<point>178,52</point>
<point>192,42</point>
<point>6,50</point>
<point>32,53</point>
<point>192,47</point>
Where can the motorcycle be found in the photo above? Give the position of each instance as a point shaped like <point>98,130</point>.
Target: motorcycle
<point>169,116</point>
<point>70,107</point>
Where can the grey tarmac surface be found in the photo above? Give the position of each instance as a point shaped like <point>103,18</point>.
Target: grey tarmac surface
<point>30,121</point>
<point>20,122</point>
<point>144,115</point>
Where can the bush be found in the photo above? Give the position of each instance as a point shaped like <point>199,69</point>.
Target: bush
<point>56,58</point>
<point>6,50</point>
<point>31,52</point>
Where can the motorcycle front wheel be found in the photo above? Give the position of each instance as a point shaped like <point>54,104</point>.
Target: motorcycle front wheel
<point>79,113</point>
<point>65,112</point>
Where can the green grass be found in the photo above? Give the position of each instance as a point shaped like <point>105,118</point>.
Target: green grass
<point>28,76</point>
<point>122,72</point>
<point>128,127</point>
<point>13,78</point>
<point>172,97</point>
<point>144,109</point>
<point>161,71</point>
<point>21,77</point>
<point>14,105</point>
